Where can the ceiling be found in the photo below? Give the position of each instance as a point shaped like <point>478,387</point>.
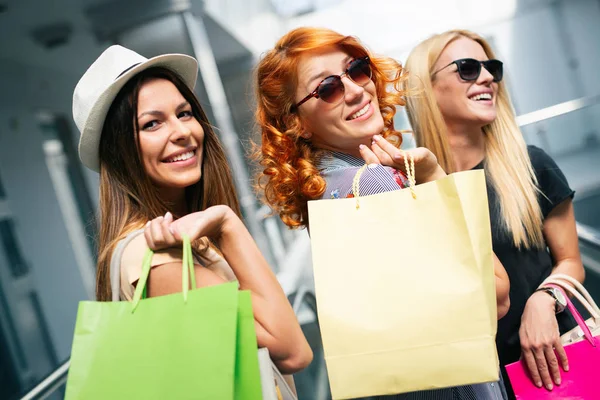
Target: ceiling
<point>67,42</point>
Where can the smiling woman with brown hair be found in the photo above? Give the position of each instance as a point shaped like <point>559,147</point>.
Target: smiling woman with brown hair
<point>163,173</point>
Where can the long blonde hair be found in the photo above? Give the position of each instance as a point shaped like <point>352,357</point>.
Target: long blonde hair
<point>128,199</point>
<point>507,164</point>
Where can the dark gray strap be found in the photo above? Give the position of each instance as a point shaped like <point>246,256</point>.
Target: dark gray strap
<point>115,264</point>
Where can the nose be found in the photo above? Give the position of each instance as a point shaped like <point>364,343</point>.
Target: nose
<point>352,90</point>
<point>180,130</point>
<point>485,78</point>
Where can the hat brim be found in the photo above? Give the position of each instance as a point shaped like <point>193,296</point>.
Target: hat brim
<point>89,145</point>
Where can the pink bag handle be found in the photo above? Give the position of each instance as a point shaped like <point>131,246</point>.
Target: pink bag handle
<point>578,318</point>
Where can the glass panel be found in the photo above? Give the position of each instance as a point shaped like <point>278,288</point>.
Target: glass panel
<point>2,192</point>
<point>587,208</point>
<point>9,364</point>
<point>56,127</point>
<point>573,141</point>
<point>9,385</point>
<point>16,264</point>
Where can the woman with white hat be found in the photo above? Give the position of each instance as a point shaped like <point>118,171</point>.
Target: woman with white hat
<point>163,173</point>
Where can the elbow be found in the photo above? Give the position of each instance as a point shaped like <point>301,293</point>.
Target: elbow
<point>503,307</point>
<point>295,362</point>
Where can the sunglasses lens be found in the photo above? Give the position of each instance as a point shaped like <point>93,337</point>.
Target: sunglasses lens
<point>469,69</point>
<point>495,68</point>
<point>360,71</point>
<point>331,89</point>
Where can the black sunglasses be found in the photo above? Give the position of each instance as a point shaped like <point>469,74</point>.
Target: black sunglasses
<point>469,69</point>
<point>331,89</point>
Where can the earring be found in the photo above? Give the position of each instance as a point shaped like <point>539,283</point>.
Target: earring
<point>306,135</point>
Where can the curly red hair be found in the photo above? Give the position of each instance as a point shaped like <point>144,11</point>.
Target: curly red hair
<point>289,177</point>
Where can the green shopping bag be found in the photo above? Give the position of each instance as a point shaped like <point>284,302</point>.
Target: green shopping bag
<point>179,346</point>
<point>247,372</point>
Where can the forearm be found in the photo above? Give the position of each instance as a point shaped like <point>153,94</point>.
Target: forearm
<point>277,326</point>
<point>502,298</point>
<point>560,233</point>
<point>572,267</point>
<point>290,352</point>
<point>502,288</point>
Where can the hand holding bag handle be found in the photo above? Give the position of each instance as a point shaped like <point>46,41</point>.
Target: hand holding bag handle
<point>580,382</point>
<point>410,173</point>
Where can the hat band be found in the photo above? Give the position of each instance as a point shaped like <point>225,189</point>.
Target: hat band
<point>127,70</point>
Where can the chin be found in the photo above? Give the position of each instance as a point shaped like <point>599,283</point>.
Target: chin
<point>486,119</point>
<point>182,182</point>
<point>375,127</point>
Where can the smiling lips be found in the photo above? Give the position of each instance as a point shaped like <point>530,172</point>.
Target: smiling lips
<point>481,96</point>
<point>360,112</point>
<point>181,157</point>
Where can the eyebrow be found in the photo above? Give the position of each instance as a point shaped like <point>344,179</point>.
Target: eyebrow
<point>323,74</point>
<point>158,113</point>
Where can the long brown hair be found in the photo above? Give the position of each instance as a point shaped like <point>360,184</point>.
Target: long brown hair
<point>128,198</point>
<point>507,164</point>
<point>289,177</point>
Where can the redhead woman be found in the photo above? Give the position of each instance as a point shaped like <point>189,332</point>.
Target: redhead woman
<point>325,106</point>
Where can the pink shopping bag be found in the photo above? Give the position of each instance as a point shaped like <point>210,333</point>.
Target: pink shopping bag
<point>582,381</point>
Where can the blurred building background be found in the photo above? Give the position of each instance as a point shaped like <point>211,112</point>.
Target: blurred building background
<point>48,200</point>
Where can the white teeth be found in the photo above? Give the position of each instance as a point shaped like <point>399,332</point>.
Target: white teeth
<point>482,96</point>
<point>182,157</point>
<point>360,112</point>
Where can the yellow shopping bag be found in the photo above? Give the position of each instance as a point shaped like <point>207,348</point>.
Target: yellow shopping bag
<point>405,288</point>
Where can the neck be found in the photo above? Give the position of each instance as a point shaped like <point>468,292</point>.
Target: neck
<point>176,199</point>
<point>467,144</point>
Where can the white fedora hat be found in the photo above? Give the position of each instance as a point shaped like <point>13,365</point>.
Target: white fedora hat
<point>101,83</point>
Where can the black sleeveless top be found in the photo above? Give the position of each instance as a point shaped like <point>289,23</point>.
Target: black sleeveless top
<point>526,268</point>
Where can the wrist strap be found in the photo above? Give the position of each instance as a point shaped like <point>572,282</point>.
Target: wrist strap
<point>548,290</point>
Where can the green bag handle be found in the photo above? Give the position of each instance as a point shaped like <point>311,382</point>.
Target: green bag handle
<point>186,276</point>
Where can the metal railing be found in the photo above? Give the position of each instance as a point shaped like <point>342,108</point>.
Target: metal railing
<point>557,110</point>
<point>50,384</point>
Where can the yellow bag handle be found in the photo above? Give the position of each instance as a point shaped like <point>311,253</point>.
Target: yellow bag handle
<point>410,174</point>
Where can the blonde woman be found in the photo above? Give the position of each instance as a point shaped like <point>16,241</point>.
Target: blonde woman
<point>464,116</point>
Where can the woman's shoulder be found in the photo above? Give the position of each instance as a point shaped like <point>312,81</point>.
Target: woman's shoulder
<point>538,156</point>
<point>551,180</point>
<point>541,161</point>
<point>544,165</point>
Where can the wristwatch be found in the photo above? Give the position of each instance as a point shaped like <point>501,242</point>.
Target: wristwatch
<point>560,302</point>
